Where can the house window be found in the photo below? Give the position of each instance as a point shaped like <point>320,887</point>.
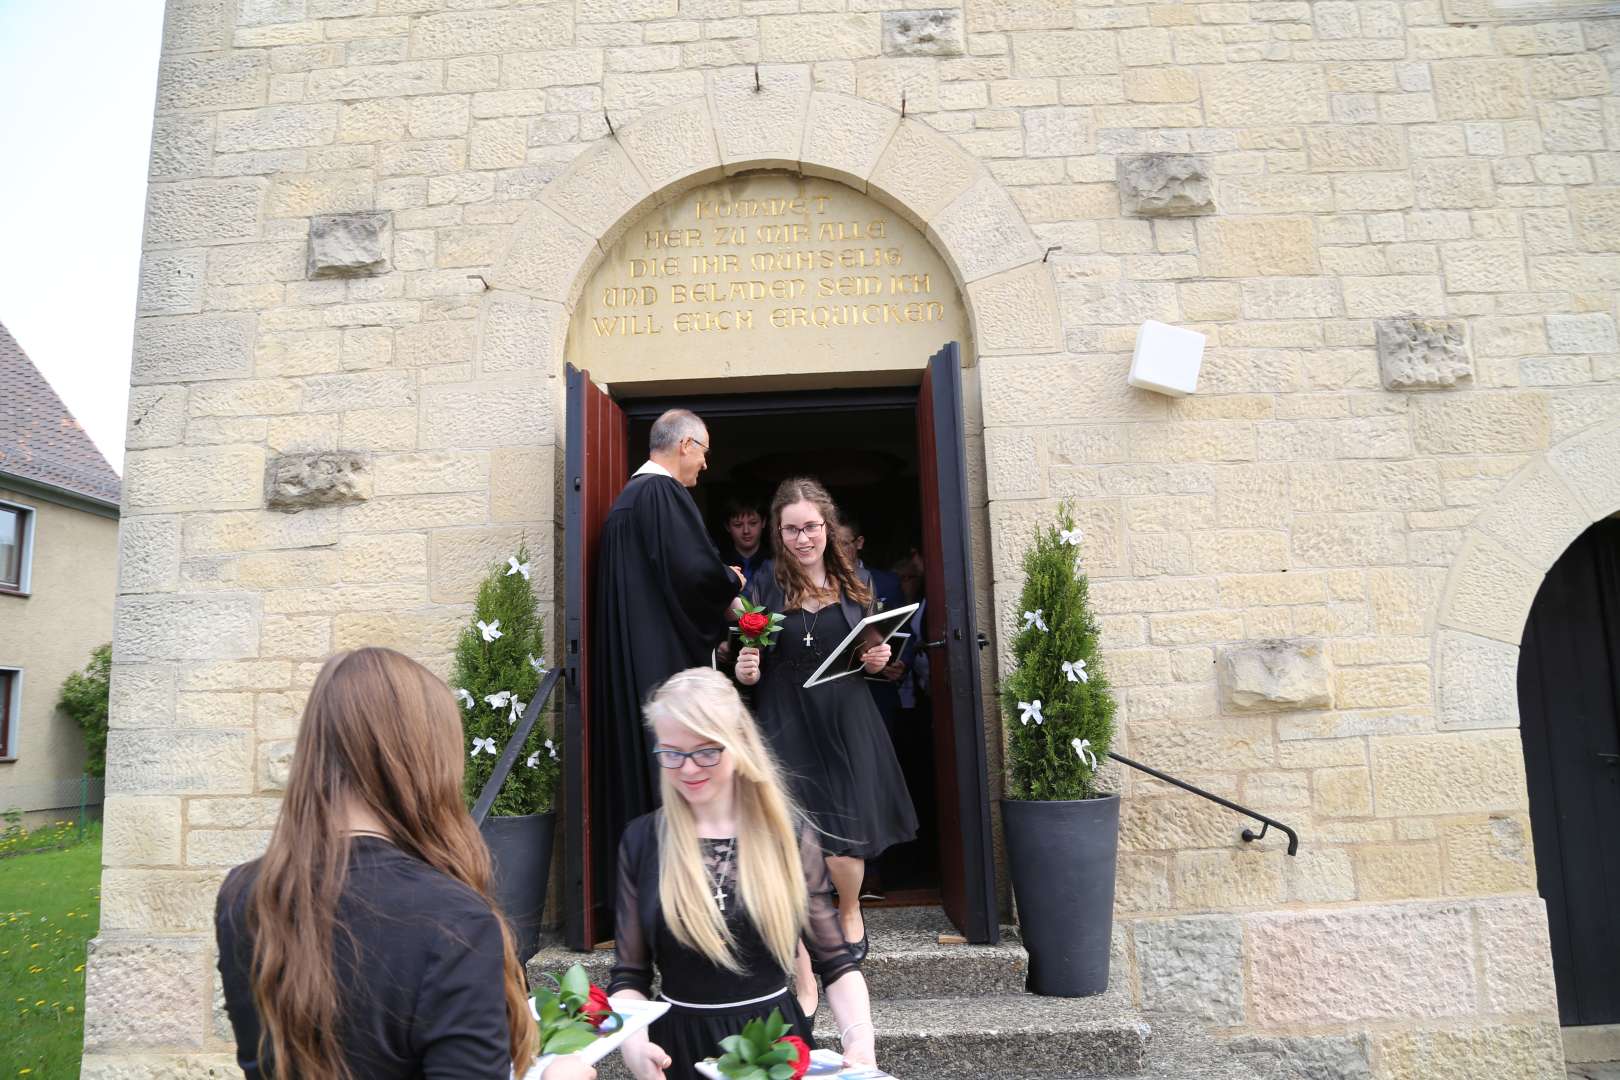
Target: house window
<point>10,706</point>
<point>16,532</point>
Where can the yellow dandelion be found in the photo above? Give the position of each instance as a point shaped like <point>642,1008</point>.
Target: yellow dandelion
<point>38,1003</point>
<point>78,969</point>
<point>70,1008</point>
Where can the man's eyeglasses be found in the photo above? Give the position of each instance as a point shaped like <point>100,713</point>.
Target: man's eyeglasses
<point>811,530</point>
<point>703,445</point>
<point>706,757</point>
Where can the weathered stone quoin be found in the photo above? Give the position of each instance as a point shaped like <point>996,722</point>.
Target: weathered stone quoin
<point>1311,587</point>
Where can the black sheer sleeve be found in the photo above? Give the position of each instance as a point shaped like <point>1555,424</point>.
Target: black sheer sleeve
<point>831,957</point>
<point>632,961</point>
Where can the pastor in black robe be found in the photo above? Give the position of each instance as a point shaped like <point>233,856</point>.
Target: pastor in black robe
<point>661,604</point>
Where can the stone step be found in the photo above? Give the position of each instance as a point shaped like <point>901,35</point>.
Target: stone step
<point>1180,1049</point>
<point>906,959</point>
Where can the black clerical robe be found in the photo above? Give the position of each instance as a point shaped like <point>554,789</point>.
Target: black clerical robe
<point>661,603</point>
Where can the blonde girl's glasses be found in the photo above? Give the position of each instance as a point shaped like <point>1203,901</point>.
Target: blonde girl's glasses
<point>706,757</point>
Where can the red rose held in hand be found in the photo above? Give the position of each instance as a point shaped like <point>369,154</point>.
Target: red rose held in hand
<point>753,623</point>
<point>801,1064</point>
<point>597,1008</point>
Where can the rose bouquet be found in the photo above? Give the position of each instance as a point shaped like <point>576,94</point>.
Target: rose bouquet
<point>756,627</point>
<point>574,1015</point>
<point>764,1050</point>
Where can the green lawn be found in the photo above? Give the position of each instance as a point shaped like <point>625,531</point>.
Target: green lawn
<point>50,906</point>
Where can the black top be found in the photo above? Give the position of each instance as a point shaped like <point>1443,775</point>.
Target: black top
<point>662,601</point>
<point>686,974</point>
<point>420,968</point>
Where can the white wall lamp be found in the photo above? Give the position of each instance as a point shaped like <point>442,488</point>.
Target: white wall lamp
<point>1167,359</point>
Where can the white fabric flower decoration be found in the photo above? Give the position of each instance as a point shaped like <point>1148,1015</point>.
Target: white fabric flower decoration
<point>490,630</point>
<point>1035,619</point>
<point>498,701</point>
<point>552,747</point>
<point>517,711</point>
<point>1082,748</point>
<point>539,665</point>
<point>1076,671</point>
<point>483,746</point>
<point>533,760</point>
<point>464,696</point>
<point>1072,537</point>
<point>1030,710</point>
<point>515,567</point>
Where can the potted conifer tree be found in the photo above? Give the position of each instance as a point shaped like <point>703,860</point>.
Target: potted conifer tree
<point>500,660</point>
<point>1062,833</point>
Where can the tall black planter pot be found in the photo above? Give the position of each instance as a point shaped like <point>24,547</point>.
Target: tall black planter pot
<point>1061,855</point>
<point>520,848</point>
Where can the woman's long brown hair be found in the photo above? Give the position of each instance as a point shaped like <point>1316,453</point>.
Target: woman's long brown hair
<point>382,731</point>
<point>839,562</point>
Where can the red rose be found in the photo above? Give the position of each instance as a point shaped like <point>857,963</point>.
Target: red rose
<point>801,1064</point>
<point>754,623</point>
<point>597,1008</point>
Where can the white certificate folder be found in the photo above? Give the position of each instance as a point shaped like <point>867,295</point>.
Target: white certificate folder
<point>870,631</point>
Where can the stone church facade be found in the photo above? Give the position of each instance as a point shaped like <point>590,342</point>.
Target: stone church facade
<point>374,228</point>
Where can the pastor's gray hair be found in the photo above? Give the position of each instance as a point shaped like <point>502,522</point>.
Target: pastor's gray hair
<point>669,429</point>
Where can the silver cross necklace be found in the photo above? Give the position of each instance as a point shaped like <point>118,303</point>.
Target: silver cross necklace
<point>717,877</point>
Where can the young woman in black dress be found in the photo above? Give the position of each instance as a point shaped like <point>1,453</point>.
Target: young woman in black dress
<point>364,943</point>
<point>718,888</point>
<point>830,739</point>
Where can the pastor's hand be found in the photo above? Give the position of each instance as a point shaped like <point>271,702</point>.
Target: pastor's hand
<point>748,665</point>
<point>876,658</point>
<point>742,579</point>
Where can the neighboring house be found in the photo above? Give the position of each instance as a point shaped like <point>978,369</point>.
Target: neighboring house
<point>58,572</point>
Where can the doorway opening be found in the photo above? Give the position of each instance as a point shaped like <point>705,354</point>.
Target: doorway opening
<point>862,446</point>
<point>1569,720</point>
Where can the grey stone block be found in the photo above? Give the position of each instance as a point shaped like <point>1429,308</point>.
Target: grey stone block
<point>1262,676</point>
<point>1165,185</point>
<point>935,32</point>
<point>1423,354</point>
<point>295,482</point>
<point>1193,966</point>
<point>347,245</point>
<point>1300,1057</point>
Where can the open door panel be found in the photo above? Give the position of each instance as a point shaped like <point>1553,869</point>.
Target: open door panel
<point>967,870</point>
<point>595,469</point>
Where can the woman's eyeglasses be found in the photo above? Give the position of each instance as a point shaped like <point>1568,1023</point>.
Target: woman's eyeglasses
<point>812,530</point>
<point>705,757</point>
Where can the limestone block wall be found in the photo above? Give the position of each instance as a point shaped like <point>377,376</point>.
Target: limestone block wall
<point>1400,232</point>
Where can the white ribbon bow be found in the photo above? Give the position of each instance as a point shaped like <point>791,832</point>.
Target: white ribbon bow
<point>1082,749</point>
<point>1030,710</point>
<point>552,747</point>
<point>490,630</point>
<point>1033,618</point>
<point>538,665</point>
<point>515,567</point>
<point>1076,671</point>
<point>464,696</point>
<point>533,760</point>
<point>517,711</point>
<point>1072,536</point>
<point>498,701</point>
<point>483,746</point>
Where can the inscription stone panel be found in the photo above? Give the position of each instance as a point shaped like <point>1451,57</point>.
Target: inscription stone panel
<point>766,275</point>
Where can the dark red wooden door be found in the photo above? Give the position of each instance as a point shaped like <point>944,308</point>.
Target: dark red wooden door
<point>1569,720</point>
<point>967,869</point>
<point>595,469</point>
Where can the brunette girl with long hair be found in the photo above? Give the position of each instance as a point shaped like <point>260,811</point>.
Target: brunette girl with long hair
<point>364,944</point>
<point>719,887</point>
<point>830,738</point>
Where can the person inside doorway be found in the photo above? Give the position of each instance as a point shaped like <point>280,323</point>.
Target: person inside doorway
<point>661,604</point>
<point>830,738</point>
<point>745,526</point>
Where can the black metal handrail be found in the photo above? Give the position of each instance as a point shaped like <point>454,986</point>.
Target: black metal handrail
<point>514,746</point>
<point>1248,834</point>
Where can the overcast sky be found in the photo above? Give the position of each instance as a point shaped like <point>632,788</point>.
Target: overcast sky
<point>77,81</point>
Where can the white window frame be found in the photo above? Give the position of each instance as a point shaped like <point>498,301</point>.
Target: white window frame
<point>13,717</point>
<point>25,577</point>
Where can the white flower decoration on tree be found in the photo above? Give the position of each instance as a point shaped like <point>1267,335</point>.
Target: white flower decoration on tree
<point>539,664</point>
<point>533,760</point>
<point>464,696</point>
<point>1030,710</point>
<point>517,711</point>
<point>515,567</point>
<point>483,746</point>
<point>1076,671</point>
<point>1036,619</point>
<point>1082,749</point>
<point>1072,537</point>
<point>552,747</point>
<point>490,630</point>
<point>498,701</point>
